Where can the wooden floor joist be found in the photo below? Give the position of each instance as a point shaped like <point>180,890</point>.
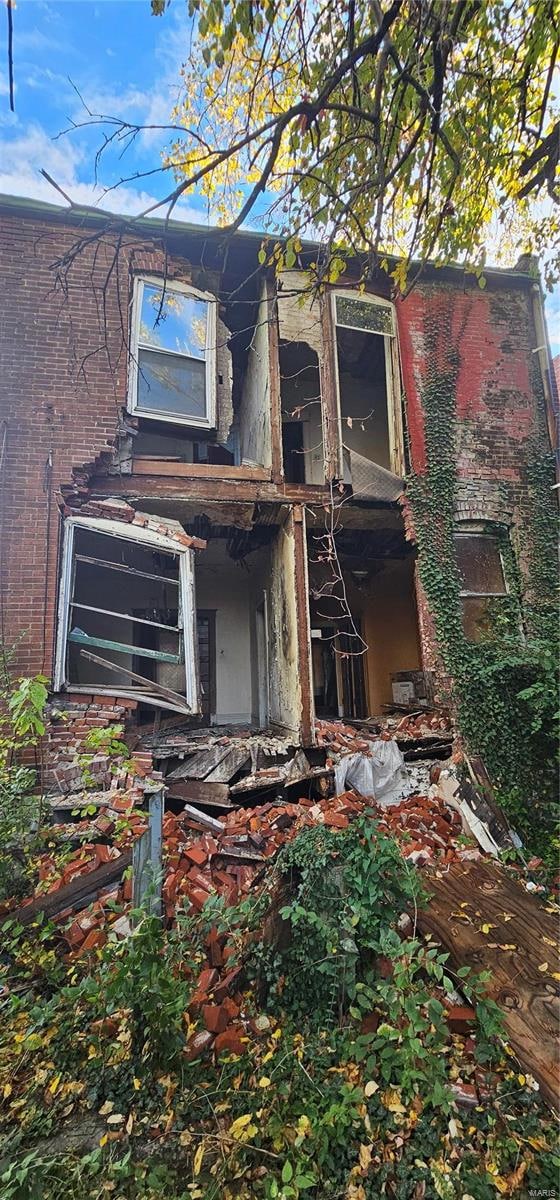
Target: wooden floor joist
<point>488,921</point>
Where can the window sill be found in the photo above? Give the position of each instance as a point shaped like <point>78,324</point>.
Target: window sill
<point>156,466</point>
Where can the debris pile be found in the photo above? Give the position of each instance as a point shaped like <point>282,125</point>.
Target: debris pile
<point>204,856</point>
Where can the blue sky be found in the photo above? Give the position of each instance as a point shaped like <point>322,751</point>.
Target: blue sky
<point>122,61</point>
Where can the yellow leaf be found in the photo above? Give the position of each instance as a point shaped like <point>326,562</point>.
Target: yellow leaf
<point>264,1082</point>
<point>103,1140</point>
<point>236,1128</point>
<point>129,1123</point>
<point>115,1119</point>
<point>303,1125</point>
<point>197,1162</point>
<point>556,976</point>
<point>371,1088</point>
<point>365,1157</point>
<point>106,1108</point>
<point>53,1086</point>
<point>392,1101</point>
<point>487,927</point>
<point>7,1090</point>
<point>508,946</point>
<point>137,1084</point>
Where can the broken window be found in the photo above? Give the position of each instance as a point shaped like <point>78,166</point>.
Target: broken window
<point>481,575</point>
<point>173,353</point>
<point>367,375</point>
<point>126,616</point>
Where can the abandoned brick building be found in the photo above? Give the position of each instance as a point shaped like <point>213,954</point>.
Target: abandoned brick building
<point>204,464</point>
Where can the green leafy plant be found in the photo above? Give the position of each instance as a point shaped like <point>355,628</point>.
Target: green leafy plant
<point>22,727</point>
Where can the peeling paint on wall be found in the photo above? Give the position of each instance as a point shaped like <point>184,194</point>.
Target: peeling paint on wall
<point>299,310</point>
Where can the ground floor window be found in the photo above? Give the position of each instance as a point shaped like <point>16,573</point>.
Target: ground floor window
<point>126,615</point>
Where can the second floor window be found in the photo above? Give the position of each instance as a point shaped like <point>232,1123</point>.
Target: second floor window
<point>173,353</point>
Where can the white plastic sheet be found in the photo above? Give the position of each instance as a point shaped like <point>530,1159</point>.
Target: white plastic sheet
<point>382,775</point>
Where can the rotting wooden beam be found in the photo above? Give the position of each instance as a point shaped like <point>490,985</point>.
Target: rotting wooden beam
<point>201,764</point>
<point>329,394</point>
<point>274,382</point>
<point>303,627</point>
<point>75,894</point>
<point>216,795</point>
<point>173,487</point>
<point>183,470</point>
<point>488,921</point>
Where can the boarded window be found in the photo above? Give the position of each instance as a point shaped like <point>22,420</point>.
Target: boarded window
<point>173,348</point>
<point>481,575</point>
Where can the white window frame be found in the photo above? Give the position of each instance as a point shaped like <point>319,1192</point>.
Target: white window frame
<point>186,602</point>
<point>392,373</point>
<point>207,422</point>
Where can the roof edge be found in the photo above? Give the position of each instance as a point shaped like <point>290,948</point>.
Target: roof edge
<point>161,227</point>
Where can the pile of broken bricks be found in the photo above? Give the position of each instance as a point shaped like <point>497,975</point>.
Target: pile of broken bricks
<point>203,856</point>
<point>115,509</point>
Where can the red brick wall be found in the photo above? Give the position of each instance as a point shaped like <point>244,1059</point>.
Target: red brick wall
<point>62,382</point>
<point>486,338</point>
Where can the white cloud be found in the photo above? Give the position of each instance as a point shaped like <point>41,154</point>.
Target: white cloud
<point>22,157</point>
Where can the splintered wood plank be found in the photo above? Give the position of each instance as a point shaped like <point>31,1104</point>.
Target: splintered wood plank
<point>201,764</point>
<point>76,894</point>
<point>259,780</point>
<point>502,928</point>
<point>234,760</point>
<point>201,792</point>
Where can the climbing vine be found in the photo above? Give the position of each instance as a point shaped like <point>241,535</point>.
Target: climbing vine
<point>504,689</point>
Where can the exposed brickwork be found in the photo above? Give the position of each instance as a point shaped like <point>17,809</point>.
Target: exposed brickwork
<point>488,338</point>
<point>70,719</point>
<point>62,386</point>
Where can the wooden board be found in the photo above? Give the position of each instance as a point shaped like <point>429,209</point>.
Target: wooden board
<point>155,466</point>
<point>520,983</point>
<point>201,792</point>
<point>234,760</point>
<point>253,783</point>
<point>200,765</point>
<point>75,894</point>
<point>203,819</point>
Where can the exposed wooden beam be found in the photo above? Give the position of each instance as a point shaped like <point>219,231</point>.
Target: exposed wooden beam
<point>183,470</point>
<point>274,382</point>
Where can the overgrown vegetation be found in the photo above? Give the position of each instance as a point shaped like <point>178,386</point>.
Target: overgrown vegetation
<point>21,730</point>
<point>343,1088</point>
<point>505,688</point>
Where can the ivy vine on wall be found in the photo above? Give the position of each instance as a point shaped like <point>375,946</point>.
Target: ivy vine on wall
<point>504,690</point>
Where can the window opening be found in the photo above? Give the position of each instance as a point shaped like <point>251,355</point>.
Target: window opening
<point>126,615</point>
<point>173,353</point>
<point>302,422</point>
<point>369,415</point>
